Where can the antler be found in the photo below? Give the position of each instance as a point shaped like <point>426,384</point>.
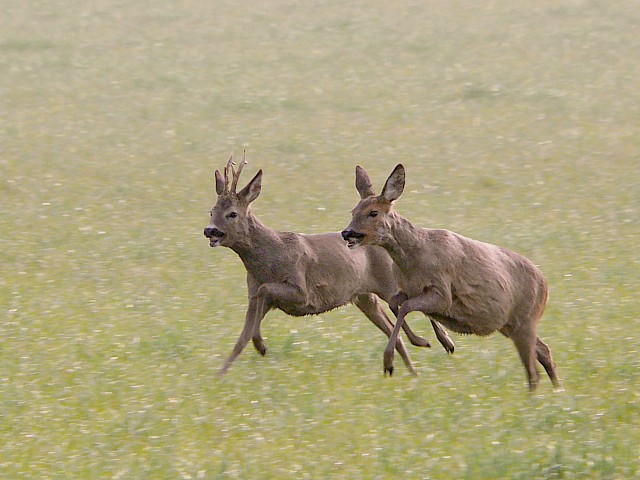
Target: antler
<point>236,175</point>
<point>226,172</point>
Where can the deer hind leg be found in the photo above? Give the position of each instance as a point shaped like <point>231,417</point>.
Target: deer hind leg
<point>544,357</point>
<point>370,306</point>
<point>525,340</point>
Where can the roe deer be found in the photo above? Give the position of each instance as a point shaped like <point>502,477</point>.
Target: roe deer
<point>466,285</point>
<point>300,274</point>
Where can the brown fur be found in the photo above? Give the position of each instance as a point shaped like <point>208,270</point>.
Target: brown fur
<point>300,274</point>
<point>467,285</point>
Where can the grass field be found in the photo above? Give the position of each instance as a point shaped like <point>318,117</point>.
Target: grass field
<point>518,123</point>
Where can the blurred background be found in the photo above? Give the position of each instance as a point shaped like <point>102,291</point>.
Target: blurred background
<point>518,125</point>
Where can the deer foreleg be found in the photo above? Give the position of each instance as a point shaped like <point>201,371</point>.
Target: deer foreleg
<point>371,307</point>
<point>268,295</point>
<point>428,302</point>
<point>441,334</point>
<point>394,304</point>
<point>255,313</point>
<point>280,293</point>
<point>396,300</point>
<point>258,341</point>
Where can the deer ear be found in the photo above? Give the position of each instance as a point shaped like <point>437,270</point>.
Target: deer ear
<point>363,184</point>
<point>219,183</point>
<point>249,193</point>
<point>394,185</point>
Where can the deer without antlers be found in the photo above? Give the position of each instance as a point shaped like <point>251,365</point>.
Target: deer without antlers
<point>467,285</point>
<point>300,274</point>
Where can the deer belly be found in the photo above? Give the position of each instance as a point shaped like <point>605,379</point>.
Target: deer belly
<point>479,311</point>
<point>309,309</point>
<point>465,326</point>
<point>318,300</point>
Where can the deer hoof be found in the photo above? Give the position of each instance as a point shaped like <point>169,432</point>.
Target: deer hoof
<point>259,345</point>
<point>388,362</point>
<point>422,342</point>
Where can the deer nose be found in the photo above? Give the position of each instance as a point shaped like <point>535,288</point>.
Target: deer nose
<point>213,232</point>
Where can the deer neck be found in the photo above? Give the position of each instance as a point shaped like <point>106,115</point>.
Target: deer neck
<point>257,246</point>
<point>400,240</point>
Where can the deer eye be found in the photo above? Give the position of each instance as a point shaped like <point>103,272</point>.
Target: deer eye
<point>232,215</point>
<point>373,213</point>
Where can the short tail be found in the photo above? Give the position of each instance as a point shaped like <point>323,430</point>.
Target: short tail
<point>544,298</point>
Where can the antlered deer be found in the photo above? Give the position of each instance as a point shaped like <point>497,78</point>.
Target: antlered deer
<point>466,285</point>
<point>300,274</point>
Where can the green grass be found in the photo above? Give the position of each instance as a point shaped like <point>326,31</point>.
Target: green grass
<point>518,125</point>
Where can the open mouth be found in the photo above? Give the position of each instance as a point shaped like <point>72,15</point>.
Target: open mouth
<point>214,235</point>
<point>352,238</point>
<point>215,241</point>
<point>353,242</point>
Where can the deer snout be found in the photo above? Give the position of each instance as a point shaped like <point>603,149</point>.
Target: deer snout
<point>352,237</point>
<point>214,235</point>
<point>347,234</point>
<point>211,232</point>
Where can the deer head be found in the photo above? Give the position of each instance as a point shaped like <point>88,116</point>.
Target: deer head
<point>229,216</point>
<point>369,220</point>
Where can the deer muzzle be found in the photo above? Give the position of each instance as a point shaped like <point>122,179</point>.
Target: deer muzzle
<point>214,235</point>
<point>352,237</point>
